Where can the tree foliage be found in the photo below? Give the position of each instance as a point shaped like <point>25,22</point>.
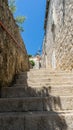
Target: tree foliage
<point>12,6</point>
<point>32,62</point>
<point>19,19</point>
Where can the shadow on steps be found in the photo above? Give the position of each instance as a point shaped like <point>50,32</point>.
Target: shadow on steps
<point>56,122</point>
<point>53,120</point>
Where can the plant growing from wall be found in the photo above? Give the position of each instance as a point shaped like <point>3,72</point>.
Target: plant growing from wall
<point>32,62</point>
<point>29,55</point>
<point>19,19</point>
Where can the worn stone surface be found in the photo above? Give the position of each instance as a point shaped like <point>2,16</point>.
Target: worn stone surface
<point>35,121</point>
<point>12,58</point>
<point>48,103</point>
<point>58,41</point>
<point>46,107</point>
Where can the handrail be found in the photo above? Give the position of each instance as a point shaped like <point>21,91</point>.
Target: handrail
<point>18,45</point>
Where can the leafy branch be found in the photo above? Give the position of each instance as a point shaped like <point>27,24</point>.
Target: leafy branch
<point>19,19</point>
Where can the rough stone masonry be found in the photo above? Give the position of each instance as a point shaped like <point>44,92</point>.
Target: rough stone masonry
<point>58,39</point>
<point>12,58</point>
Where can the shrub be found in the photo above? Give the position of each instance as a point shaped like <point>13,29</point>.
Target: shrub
<point>32,62</point>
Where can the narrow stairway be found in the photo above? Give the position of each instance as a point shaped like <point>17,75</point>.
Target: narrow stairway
<point>39,100</point>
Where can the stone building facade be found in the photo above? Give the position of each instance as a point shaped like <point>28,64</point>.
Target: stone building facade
<point>58,39</point>
<point>13,59</point>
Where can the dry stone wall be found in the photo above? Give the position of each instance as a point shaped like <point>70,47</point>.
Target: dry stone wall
<point>12,58</point>
<point>59,35</point>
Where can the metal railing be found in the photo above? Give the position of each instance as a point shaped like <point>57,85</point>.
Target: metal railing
<point>18,45</point>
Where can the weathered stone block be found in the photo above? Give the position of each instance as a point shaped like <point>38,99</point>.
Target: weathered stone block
<point>58,43</point>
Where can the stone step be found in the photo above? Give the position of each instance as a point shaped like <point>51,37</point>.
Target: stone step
<point>49,70</point>
<point>44,81</point>
<point>46,71</point>
<point>22,91</point>
<point>37,121</point>
<point>34,83</point>
<point>48,77</point>
<point>29,83</point>
<point>46,74</point>
<point>50,103</point>
<point>21,104</point>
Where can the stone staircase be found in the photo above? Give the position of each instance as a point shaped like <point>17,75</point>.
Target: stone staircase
<point>38,100</point>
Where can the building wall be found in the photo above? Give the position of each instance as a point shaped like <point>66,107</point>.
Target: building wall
<point>12,58</point>
<point>59,35</point>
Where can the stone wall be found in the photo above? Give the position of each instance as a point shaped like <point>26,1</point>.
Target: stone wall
<point>12,58</point>
<point>59,35</point>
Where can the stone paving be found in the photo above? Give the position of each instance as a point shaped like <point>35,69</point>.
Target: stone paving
<point>39,100</point>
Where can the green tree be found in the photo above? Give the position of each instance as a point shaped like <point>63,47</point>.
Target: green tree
<point>12,6</point>
<point>32,62</point>
<point>19,19</point>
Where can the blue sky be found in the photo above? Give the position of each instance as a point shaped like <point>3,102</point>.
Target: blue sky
<point>34,10</point>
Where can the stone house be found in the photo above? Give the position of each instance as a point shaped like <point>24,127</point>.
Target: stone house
<point>58,39</point>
